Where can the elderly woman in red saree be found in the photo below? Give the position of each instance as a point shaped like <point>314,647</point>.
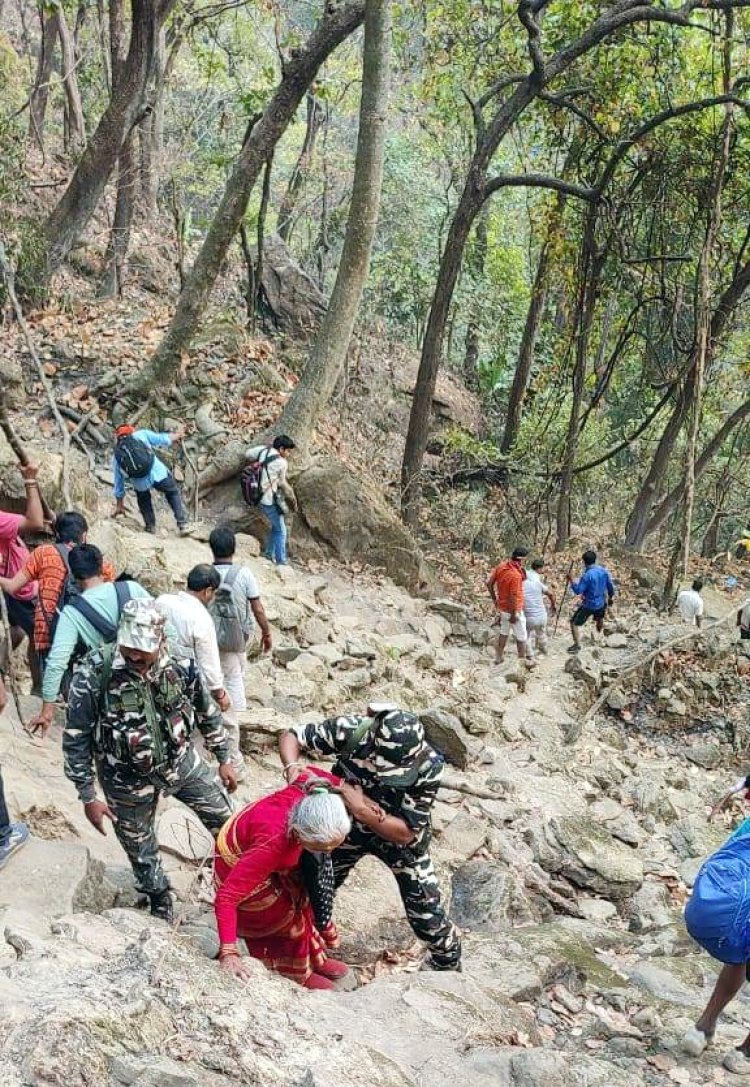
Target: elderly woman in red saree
<point>260,894</point>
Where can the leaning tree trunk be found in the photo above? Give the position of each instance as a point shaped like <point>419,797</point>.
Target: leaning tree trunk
<point>80,199</point>
<point>298,73</point>
<point>472,343</point>
<point>119,236</point>
<point>316,117</point>
<point>151,136</point>
<point>328,353</point>
<point>76,126</point>
<point>40,93</point>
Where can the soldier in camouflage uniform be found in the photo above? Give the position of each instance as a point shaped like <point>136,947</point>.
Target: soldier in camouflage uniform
<point>131,711</point>
<point>391,777</point>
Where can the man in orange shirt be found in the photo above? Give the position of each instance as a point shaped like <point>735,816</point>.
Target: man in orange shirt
<point>48,566</point>
<point>505,586</point>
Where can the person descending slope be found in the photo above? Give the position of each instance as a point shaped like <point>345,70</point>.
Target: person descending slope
<point>135,463</point>
<point>505,586</point>
<point>597,591</point>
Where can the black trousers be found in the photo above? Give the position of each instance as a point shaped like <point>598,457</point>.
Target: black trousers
<point>168,487</point>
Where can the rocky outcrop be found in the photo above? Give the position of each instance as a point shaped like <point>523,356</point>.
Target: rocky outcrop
<point>83,490</point>
<point>295,300</point>
<point>588,855</point>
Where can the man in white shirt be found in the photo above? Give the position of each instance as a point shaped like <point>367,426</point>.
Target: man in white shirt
<point>690,604</point>
<point>196,635</point>
<point>234,619</point>
<point>535,593</point>
<point>275,493</point>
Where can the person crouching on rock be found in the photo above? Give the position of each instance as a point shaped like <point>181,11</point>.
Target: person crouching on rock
<point>131,711</point>
<point>391,778</point>
<point>717,917</point>
<point>260,894</point>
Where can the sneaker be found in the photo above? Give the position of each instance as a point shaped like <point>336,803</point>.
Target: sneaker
<point>574,649</point>
<point>19,836</point>
<point>151,529</point>
<point>161,906</point>
<point>431,963</point>
<point>185,530</point>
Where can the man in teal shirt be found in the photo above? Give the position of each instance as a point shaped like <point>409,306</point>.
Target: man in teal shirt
<point>135,463</point>
<point>85,623</point>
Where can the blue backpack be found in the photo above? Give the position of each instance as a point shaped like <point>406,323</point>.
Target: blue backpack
<point>717,915</point>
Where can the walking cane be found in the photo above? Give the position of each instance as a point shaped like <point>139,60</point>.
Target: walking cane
<point>562,597</point>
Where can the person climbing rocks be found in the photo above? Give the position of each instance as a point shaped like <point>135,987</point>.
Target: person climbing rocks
<point>14,555</point>
<point>275,494</point>
<point>535,594</point>
<point>187,611</point>
<point>131,714</point>
<point>390,778</point>
<point>597,592</point>
<point>134,463</point>
<point>48,567</point>
<point>13,836</point>
<point>235,609</point>
<point>505,586</point>
<point>690,604</point>
<point>87,621</point>
<point>717,916</point>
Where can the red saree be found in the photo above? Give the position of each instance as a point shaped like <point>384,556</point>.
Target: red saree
<point>260,897</point>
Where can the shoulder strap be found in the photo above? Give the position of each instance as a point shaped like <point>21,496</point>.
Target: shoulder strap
<point>355,738</point>
<point>123,594</point>
<point>231,575</point>
<point>64,553</point>
<point>99,622</point>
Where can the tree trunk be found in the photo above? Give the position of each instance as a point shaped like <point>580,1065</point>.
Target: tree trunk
<point>328,353</point>
<point>151,137</point>
<point>40,93</point>
<point>76,125</point>
<point>119,235</point>
<point>316,117</point>
<point>83,193</point>
<point>472,341</point>
<point>670,502</point>
<point>299,72</point>
<point>534,315</point>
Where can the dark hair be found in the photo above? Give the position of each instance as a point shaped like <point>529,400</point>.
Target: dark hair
<point>589,557</point>
<point>85,561</point>
<point>520,553</point>
<point>223,542</point>
<point>697,584</point>
<point>537,564</point>
<point>203,577</point>
<point>283,441</point>
<point>70,527</point>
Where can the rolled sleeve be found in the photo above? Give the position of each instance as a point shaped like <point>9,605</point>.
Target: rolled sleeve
<point>325,737</point>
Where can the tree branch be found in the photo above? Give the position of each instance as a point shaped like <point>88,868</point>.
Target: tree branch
<point>539,181</point>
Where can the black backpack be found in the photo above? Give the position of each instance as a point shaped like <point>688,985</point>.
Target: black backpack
<point>134,457</point>
<point>251,480</point>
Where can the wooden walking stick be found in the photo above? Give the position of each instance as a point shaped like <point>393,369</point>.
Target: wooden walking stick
<point>563,594</point>
<point>21,455</point>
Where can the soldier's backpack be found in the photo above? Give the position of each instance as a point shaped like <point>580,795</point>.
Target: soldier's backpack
<point>251,479</point>
<point>229,613</point>
<point>134,457</point>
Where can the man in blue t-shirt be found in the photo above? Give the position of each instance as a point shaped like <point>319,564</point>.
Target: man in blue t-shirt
<point>597,591</point>
<point>134,463</point>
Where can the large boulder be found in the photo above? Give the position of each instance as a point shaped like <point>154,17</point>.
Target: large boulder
<point>347,514</point>
<point>446,733</point>
<point>296,301</point>
<point>82,486</point>
<point>489,897</point>
<point>588,855</point>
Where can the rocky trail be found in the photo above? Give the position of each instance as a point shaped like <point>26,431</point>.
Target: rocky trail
<point>568,846</point>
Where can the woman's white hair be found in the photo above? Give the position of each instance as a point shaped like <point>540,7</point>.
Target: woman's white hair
<point>320,819</point>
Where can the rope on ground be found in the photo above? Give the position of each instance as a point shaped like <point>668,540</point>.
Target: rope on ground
<point>694,632</point>
<point>9,277</point>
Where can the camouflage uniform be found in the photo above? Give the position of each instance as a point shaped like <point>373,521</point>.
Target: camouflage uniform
<point>137,730</point>
<point>401,772</point>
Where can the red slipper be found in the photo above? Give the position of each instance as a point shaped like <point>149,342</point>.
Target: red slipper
<point>315,981</point>
<point>332,968</point>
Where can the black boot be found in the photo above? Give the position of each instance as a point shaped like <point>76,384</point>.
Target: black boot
<point>161,905</point>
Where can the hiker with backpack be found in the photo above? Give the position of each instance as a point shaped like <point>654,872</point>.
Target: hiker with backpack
<point>135,463</point>
<point>187,612</point>
<point>133,709</point>
<point>235,609</point>
<point>263,483</point>
<point>88,620</point>
<point>48,567</point>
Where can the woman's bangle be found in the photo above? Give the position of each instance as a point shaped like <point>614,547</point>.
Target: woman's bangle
<point>290,766</point>
<point>228,950</point>
<point>31,483</point>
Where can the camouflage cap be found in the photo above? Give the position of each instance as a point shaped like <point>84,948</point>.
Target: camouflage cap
<point>141,626</point>
<point>398,747</point>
